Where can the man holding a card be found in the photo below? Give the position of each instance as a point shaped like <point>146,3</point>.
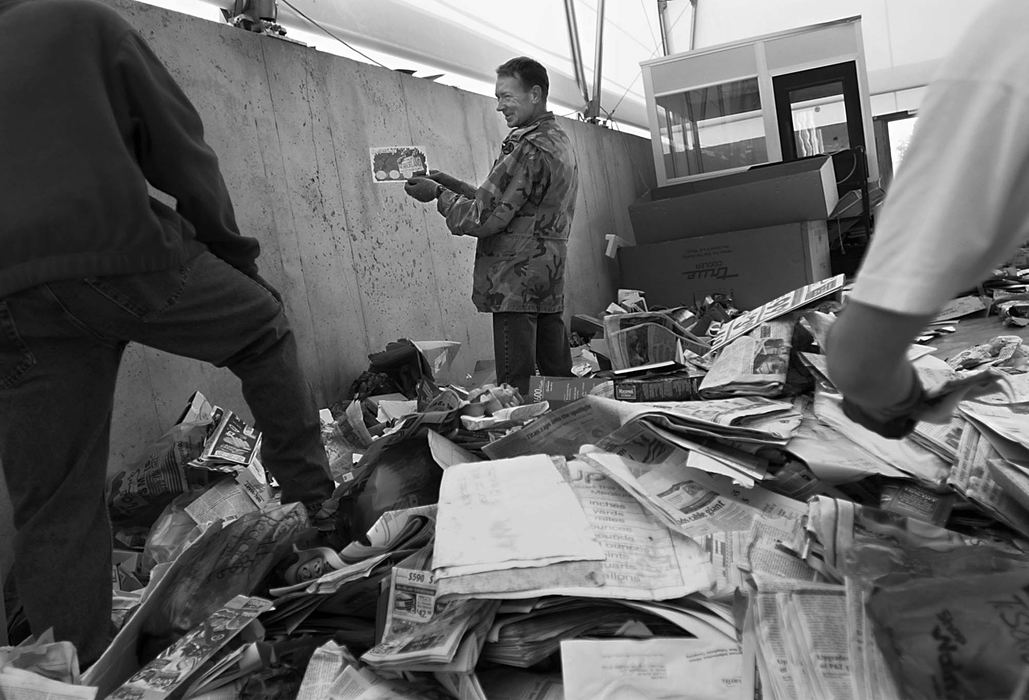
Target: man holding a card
<point>522,216</point>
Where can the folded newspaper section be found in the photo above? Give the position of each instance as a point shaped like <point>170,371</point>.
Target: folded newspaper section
<point>526,632</point>
<point>647,337</point>
<point>508,538</point>
<point>172,667</point>
<point>232,667</point>
<point>974,476</point>
<point>651,668</point>
<point>425,633</point>
<point>231,444</point>
<point>801,639</point>
<point>21,684</point>
<point>139,493</point>
<point>840,538</point>
<point>333,672</point>
<point>755,364</point>
<point>790,301</point>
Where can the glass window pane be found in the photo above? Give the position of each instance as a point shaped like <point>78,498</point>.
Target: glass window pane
<point>900,131</point>
<point>819,119</point>
<point>714,128</point>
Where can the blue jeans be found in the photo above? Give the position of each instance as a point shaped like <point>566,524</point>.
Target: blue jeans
<point>60,347</point>
<point>521,341</point>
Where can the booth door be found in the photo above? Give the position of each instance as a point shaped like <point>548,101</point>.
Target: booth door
<point>818,111</point>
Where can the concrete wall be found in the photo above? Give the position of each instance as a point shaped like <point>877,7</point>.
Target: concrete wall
<point>359,264</point>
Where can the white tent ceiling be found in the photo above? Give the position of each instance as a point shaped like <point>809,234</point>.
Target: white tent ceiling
<point>449,38</point>
<point>464,40</point>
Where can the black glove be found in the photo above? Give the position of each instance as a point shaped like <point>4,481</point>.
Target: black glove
<point>893,422</point>
<point>451,183</point>
<point>423,189</point>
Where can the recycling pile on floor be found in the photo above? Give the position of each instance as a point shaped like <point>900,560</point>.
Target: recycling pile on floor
<point>691,516</point>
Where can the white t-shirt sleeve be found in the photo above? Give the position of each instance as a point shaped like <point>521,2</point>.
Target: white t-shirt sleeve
<point>960,203</point>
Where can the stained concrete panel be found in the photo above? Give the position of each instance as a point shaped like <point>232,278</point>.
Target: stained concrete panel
<point>588,279</point>
<point>581,281</point>
<point>452,119</point>
<point>610,175</point>
<point>317,238</point>
<point>391,255</point>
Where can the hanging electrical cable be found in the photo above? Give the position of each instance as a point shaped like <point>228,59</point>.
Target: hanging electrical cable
<point>317,24</point>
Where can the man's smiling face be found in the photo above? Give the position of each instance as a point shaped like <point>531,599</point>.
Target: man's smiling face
<point>518,105</point>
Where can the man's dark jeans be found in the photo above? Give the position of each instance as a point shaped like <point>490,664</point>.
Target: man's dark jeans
<point>60,347</point>
<point>521,341</point>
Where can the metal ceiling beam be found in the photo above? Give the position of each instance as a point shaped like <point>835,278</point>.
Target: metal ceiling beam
<point>593,111</point>
<point>693,24</point>
<point>667,45</point>
<point>662,22</point>
<point>573,40</point>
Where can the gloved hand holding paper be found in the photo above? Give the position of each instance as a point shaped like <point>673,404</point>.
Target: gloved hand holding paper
<point>934,405</point>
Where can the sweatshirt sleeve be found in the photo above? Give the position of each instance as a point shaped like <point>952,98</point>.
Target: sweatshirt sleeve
<point>170,148</point>
<point>960,203</point>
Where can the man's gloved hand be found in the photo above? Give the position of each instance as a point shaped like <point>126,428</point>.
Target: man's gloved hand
<point>423,189</point>
<point>936,405</point>
<point>448,181</point>
<point>893,422</point>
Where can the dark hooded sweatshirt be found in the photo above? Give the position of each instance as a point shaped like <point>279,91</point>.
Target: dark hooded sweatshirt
<point>89,115</point>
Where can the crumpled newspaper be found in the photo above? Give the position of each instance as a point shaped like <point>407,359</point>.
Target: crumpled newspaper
<point>1001,351</point>
<point>42,655</point>
<point>1014,312</point>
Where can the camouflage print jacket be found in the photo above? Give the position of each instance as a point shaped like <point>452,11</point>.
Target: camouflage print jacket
<point>522,215</point>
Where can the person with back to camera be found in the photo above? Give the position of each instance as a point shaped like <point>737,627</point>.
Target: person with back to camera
<point>958,207</point>
<point>91,262</point>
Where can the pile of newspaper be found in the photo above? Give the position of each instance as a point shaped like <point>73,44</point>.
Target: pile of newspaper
<point>750,543</point>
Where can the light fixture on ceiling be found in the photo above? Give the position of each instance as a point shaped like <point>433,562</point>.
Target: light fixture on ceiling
<point>260,16</point>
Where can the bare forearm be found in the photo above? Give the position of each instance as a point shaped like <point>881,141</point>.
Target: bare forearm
<point>867,354</point>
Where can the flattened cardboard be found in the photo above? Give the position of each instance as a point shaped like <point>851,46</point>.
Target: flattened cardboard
<point>778,193</point>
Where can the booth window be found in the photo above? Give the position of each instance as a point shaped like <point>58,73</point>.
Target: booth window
<point>712,129</point>
<point>819,120</point>
<point>892,135</point>
<point>819,111</point>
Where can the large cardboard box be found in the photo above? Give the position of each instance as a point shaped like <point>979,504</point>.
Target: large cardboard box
<point>778,193</point>
<point>754,266</point>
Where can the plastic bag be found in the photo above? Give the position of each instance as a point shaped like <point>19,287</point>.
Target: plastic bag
<point>338,450</point>
<point>172,532</point>
<point>404,364</point>
<point>401,475</point>
<point>225,562</point>
<point>137,495</point>
<point>957,636</point>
